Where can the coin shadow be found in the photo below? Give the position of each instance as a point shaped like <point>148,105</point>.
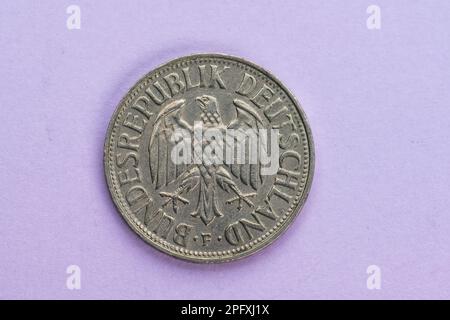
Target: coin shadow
<point>148,61</point>
<point>271,251</point>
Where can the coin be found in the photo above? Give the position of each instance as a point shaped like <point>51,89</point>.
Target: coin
<point>209,158</point>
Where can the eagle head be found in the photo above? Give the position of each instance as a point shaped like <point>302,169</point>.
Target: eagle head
<point>207,103</point>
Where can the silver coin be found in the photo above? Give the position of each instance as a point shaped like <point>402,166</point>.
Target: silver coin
<point>209,158</point>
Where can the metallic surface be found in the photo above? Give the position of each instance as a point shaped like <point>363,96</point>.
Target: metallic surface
<point>206,213</point>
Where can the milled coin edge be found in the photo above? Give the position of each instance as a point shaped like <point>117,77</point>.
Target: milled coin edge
<point>287,222</point>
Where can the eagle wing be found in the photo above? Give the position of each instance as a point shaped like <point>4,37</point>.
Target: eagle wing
<point>163,170</point>
<point>247,119</point>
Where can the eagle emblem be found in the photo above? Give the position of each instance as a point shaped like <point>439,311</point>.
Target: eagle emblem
<point>179,184</point>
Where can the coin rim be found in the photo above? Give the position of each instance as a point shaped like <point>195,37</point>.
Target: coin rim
<point>285,225</point>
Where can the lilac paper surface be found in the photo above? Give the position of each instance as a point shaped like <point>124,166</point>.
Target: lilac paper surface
<point>378,103</point>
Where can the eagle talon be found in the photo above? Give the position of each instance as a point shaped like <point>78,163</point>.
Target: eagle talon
<point>240,198</point>
<point>174,197</point>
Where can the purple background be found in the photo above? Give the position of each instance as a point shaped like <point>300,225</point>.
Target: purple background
<point>377,100</point>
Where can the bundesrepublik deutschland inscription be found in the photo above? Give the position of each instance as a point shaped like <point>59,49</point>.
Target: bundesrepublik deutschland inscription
<point>209,158</point>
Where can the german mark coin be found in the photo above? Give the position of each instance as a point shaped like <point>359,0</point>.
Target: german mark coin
<point>209,158</point>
